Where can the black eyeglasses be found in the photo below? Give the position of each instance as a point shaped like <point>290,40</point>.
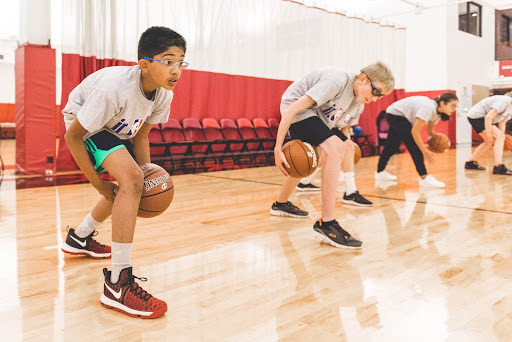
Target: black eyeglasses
<point>375,91</point>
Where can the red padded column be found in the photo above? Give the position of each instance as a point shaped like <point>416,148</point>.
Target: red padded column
<point>35,109</point>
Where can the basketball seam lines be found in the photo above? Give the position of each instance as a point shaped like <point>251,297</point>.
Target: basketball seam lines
<point>161,192</point>
<point>149,174</point>
<point>291,159</point>
<point>309,165</point>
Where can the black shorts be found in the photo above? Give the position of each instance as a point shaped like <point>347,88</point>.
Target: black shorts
<point>314,131</point>
<point>103,143</point>
<point>477,124</point>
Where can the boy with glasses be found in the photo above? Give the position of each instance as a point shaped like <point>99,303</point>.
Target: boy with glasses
<point>312,108</point>
<point>105,111</point>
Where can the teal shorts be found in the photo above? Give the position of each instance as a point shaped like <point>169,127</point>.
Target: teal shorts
<point>103,143</point>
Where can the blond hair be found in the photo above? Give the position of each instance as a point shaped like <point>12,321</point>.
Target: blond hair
<point>508,93</point>
<point>380,72</point>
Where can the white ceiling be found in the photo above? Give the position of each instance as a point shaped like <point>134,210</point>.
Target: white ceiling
<point>382,9</point>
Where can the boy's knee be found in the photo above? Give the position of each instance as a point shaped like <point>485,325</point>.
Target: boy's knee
<point>334,147</point>
<point>133,180</point>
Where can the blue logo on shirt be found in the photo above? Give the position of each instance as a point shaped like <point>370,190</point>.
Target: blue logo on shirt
<point>329,110</point>
<point>137,124</point>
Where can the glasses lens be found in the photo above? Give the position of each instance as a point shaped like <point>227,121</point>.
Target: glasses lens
<point>375,91</point>
<point>184,65</point>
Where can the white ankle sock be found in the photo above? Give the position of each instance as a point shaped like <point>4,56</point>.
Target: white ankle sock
<point>121,259</point>
<point>87,226</point>
<point>308,179</point>
<point>350,182</point>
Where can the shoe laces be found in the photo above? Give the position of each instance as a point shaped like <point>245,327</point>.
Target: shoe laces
<point>136,289</point>
<point>94,243</point>
<point>292,206</point>
<point>336,226</point>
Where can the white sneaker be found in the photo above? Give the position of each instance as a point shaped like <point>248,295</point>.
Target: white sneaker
<point>384,175</point>
<point>430,182</point>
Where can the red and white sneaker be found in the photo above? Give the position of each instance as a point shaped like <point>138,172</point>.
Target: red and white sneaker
<point>129,298</point>
<point>85,246</point>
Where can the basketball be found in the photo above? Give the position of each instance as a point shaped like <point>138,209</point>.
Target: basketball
<point>438,143</point>
<point>302,157</point>
<point>158,191</point>
<point>357,153</point>
<point>507,146</point>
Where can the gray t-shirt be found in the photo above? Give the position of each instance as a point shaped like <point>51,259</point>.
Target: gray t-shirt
<point>112,99</point>
<point>332,90</point>
<point>502,103</point>
<point>415,107</point>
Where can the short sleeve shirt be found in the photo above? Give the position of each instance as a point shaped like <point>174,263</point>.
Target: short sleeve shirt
<point>332,91</point>
<point>415,107</point>
<point>502,103</point>
<point>112,99</point>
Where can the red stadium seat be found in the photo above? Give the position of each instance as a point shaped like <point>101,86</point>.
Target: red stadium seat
<point>212,131</point>
<point>155,136</point>
<point>230,132</point>
<point>273,124</point>
<point>173,133</point>
<point>263,132</point>
<point>247,131</point>
<point>194,132</point>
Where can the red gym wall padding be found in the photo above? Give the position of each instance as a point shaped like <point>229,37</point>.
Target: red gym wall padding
<point>35,108</point>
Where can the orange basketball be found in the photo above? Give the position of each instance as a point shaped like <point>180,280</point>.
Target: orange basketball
<point>158,191</point>
<point>357,153</point>
<point>507,146</point>
<point>438,143</point>
<point>302,157</point>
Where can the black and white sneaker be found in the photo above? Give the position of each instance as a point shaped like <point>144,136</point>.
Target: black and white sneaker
<point>356,199</point>
<point>287,209</point>
<point>473,165</point>
<point>307,187</point>
<point>501,170</point>
<point>85,246</point>
<point>334,235</point>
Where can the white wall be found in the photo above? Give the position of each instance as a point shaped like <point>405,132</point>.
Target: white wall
<point>470,58</point>
<point>439,56</point>
<point>470,62</point>
<point>6,82</point>
<point>426,49</point>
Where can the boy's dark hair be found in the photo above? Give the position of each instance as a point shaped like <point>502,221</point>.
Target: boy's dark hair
<point>445,97</point>
<point>157,39</point>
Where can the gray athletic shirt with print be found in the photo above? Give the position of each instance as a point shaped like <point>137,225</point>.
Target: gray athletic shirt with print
<point>414,107</point>
<point>502,103</point>
<point>332,90</point>
<point>112,99</point>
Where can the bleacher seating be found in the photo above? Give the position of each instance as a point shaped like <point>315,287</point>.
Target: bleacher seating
<point>273,124</point>
<point>193,146</point>
<point>155,135</point>
<point>263,132</point>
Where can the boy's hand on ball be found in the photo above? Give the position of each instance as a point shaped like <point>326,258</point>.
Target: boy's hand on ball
<point>280,160</point>
<point>107,189</point>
